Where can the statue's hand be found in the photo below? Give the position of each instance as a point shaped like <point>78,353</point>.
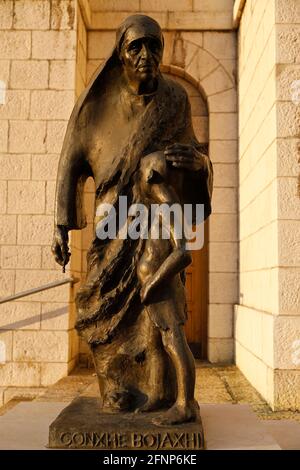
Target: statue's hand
<point>60,248</point>
<point>186,156</point>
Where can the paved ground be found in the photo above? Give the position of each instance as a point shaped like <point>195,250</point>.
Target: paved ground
<point>214,384</point>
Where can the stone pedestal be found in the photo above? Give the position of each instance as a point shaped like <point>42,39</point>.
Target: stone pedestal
<point>81,425</point>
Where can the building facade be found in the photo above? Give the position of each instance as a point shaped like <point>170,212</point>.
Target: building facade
<point>240,64</point>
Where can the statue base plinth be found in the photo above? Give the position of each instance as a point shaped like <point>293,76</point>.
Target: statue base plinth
<point>81,425</point>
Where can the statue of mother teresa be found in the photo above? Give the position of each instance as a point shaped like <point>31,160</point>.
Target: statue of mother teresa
<point>128,111</point>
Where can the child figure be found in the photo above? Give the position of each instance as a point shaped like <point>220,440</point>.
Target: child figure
<point>162,292</point>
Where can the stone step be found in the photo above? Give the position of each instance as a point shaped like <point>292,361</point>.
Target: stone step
<point>285,431</point>
<point>234,427</point>
<point>226,427</point>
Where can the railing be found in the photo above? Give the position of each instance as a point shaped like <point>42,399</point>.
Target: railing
<point>25,293</point>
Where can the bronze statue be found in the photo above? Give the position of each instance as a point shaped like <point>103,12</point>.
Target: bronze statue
<point>131,131</point>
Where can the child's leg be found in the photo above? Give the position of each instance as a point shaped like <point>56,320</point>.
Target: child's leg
<point>185,407</point>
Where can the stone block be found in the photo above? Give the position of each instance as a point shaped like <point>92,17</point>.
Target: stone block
<point>223,151</point>
<point>248,329</point>
<point>35,229</point>
<point>225,102</point>
<point>223,257</point>
<point>39,278</point>
<point>288,292</point>
<point>50,104</point>
<point>195,37</point>
<point>52,372</point>
<point>166,5</point>
<point>289,243</point>
<point>287,342</point>
<point>223,288</point>
<point>3,136</point>
<point>15,167</point>
<point>20,315</point>
<point>287,11</point>
<point>6,14</point>
<point>63,14</point>
<point>220,321</point>
<point>223,228</point>
<point>288,153</point>
<point>8,229</point>
<point>44,166</point>
<point>216,82</point>
<point>41,346</point>
<point>16,105</point>
<point>255,371</point>
<point>57,45</point>
<point>48,261</point>
<point>29,74</point>
<point>220,350</point>
<point>224,201</point>
<point>24,257</point>
<point>50,196</point>
<point>288,44</point>
<point>288,198</point>
<point>27,136</point>
<point>55,135</point>
<point>220,45</point>
<point>26,197</point>
<point>201,65</point>
<point>199,21</point>
<point>4,71</point>
<point>62,74</point>
<point>260,249</point>
<point>100,44</point>
<point>213,5</point>
<point>110,20</point>
<point>20,374</point>
<point>31,15</point>
<point>3,197</point>
<point>225,175</point>
<point>286,390</point>
<point>288,124</point>
<point>223,126</point>
<point>116,5</point>
<point>55,316</point>
<point>15,44</point>
<point>22,393</point>
<point>259,289</point>
<point>6,346</point>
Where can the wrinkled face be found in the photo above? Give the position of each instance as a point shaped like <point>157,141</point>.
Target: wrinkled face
<point>141,57</point>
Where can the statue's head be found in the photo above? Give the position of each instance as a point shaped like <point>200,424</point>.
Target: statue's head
<point>140,47</point>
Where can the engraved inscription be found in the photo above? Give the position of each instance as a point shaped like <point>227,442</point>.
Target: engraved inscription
<point>135,440</point>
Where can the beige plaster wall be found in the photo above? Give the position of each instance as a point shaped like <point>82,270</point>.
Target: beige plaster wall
<point>267,326</point>
<point>37,64</point>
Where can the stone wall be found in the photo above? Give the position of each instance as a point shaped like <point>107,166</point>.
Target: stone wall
<point>267,318</point>
<point>37,64</point>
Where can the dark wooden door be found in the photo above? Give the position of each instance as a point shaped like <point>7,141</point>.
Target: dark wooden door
<point>197,300</point>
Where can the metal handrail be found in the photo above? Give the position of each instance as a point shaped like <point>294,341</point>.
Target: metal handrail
<point>71,280</point>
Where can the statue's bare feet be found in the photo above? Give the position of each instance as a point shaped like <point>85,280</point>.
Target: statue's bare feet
<point>178,414</point>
